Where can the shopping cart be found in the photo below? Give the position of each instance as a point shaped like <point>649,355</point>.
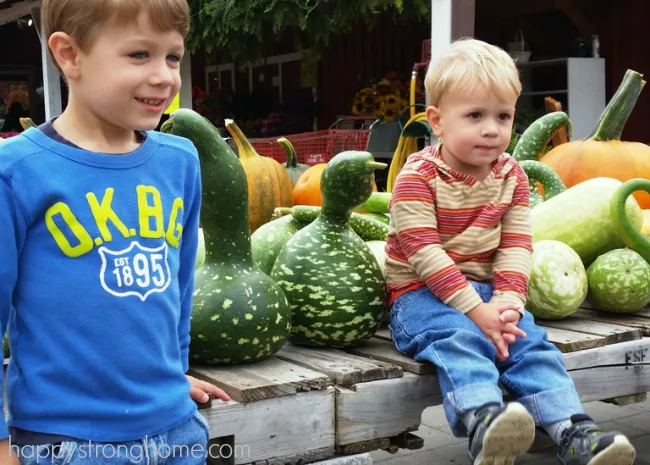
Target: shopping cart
<point>320,146</point>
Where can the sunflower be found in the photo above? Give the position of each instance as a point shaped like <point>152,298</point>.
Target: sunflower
<point>358,107</point>
<point>390,112</point>
<point>391,99</point>
<point>369,100</point>
<point>379,105</point>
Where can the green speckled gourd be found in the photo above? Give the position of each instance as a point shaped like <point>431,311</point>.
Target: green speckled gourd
<point>239,313</point>
<point>536,137</point>
<point>331,278</point>
<point>292,167</point>
<point>269,239</point>
<point>538,172</point>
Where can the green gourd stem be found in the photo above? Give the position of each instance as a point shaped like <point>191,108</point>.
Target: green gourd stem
<point>244,146</point>
<point>347,182</point>
<point>630,236</point>
<point>229,200</point>
<point>279,212</point>
<point>546,176</point>
<point>535,139</point>
<point>290,151</point>
<point>613,118</point>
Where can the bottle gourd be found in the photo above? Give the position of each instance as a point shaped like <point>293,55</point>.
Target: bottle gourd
<point>239,314</point>
<point>331,278</point>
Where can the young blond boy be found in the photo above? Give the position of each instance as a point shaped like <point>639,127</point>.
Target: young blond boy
<point>458,259</point>
<point>98,225</point>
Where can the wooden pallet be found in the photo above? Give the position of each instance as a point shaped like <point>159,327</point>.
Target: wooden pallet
<point>304,405</point>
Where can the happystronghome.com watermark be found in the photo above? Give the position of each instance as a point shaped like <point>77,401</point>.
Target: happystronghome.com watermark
<point>135,453</point>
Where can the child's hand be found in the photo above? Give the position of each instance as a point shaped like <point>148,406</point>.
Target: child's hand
<point>200,391</point>
<point>511,319</point>
<point>487,317</point>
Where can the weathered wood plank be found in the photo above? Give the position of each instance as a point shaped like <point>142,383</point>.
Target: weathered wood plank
<point>606,382</point>
<point>613,333</point>
<point>570,341</point>
<point>342,368</point>
<point>631,320</point>
<point>383,333</point>
<point>622,401</point>
<point>379,349</point>
<point>622,354</point>
<point>289,427</point>
<point>261,380</point>
<point>383,409</point>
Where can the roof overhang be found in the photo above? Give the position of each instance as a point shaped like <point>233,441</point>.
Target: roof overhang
<point>16,9</point>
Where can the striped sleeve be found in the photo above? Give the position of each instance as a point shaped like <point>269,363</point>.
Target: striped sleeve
<point>414,215</point>
<point>512,260</point>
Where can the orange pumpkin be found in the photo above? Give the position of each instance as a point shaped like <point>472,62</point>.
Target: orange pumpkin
<point>269,185</point>
<point>306,191</point>
<point>307,188</point>
<point>603,154</point>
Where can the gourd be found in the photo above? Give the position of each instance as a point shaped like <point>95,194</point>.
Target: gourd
<point>367,227</point>
<point>269,185</point>
<point>307,188</point>
<point>239,314</point>
<point>630,232</point>
<point>292,167</point>
<point>550,181</point>
<point>536,137</point>
<point>270,238</point>
<point>331,278</point>
<point>603,154</point>
<point>581,218</point>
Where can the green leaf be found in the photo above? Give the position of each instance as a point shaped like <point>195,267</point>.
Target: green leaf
<point>245,27</point>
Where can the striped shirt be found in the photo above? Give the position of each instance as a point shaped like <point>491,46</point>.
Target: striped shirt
<point>447,228</point>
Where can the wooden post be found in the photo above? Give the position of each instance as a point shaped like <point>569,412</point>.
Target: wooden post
<point>186,79</point>
<point>51,76</point>
<point>450,20</point>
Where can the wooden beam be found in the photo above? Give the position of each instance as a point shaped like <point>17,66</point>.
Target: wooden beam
<point>440,26</point>
<point>463,15</point>
<point>450,20</point>
<point>186,79</point>
<point>51,84</point>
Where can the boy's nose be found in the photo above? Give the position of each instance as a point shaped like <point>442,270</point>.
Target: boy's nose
<point>490,129</point>
<point>161,75</point>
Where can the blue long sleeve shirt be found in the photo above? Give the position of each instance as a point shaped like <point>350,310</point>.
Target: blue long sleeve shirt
<point>97,255</point>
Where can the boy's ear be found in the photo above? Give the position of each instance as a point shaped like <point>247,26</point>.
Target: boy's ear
<point>433,118</point>
<point>66,53</point>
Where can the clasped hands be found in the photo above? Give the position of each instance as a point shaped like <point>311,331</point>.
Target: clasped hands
<point>498,321</point>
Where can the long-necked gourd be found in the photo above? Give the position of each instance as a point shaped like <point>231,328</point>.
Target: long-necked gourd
<point>239,314</point>
<point>331,278</point>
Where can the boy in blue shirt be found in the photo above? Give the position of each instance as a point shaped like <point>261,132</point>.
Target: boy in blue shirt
<point>99,218</point>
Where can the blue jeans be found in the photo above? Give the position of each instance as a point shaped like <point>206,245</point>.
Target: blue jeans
<point>429,331</point>
<point>187,443</point>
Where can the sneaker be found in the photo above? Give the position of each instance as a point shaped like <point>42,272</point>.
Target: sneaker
<point>584,443</point>
<point>499,433</point>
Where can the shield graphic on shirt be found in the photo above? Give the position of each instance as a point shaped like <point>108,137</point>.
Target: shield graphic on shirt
<point>135,271</point>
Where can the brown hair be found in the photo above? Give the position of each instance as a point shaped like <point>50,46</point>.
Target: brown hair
<point>83,20</point>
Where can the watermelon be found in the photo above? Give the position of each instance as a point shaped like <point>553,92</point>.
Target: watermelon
<point>558,281</point>
<point>619,282</point>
